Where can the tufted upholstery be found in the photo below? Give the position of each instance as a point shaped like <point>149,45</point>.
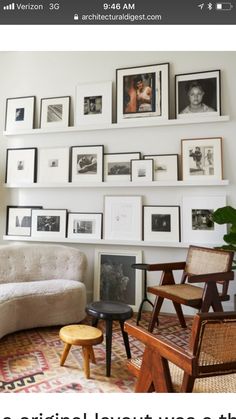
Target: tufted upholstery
<point>40,285</point>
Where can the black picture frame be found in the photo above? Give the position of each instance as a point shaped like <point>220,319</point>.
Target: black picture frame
<point>23,223</point>
<point>17,165</point>
<point>57,118</point>
<point>24,107</point>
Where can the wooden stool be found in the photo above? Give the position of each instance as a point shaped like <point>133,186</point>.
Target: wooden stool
<point>85,336</point>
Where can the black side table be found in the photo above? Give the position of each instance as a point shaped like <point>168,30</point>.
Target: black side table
<point>144,267</point>
<point>109,311</point>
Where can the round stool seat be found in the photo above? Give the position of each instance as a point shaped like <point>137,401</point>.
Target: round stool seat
<point>81,335</point>
<point>109,310</point>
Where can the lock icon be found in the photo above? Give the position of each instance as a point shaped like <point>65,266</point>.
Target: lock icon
<point>76,16</point>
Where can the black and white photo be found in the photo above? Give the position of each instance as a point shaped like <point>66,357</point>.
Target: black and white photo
<point>202,158</point>
<point>20,113</point>
<point>198,94</point>
<point>86,164</point>
<point>18,220</point>
<point>93,103</point>
<point>49,223</point>
<point>84,226</point>
<point>202,219</point>
<point>142,170</point>
<point>117,166</point>
<point>21,165</point>
<point>165,166</point>
<point>55,112</point>
<point>53,165</point>
<point>161,223</point>
<point>115,279</point>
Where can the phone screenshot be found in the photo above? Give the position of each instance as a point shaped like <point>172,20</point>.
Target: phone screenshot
<point>117,209</point>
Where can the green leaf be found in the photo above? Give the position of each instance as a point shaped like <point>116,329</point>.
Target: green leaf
<point>225,215</point>
<point>230,238</point>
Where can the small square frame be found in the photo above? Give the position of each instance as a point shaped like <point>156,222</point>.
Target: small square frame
<point>142,170</point>
<point>166,166</point>
<point>84,226</point>
<point>20,113</point>
<point>203,89</point>
<point>49,223</point>
<point>21,165</point>
<point>117,166</point>
<point>53,165</point>
<point>18,220</point>
<point>86,163</point>
<point>115,279</point>
<point>161,223</point>
<point>55,112</point>
<point>94,103</point>
<point>201,158</point>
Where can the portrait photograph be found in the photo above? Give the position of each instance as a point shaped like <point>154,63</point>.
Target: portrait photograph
<point>55,112</point>
<point>20,113</point>
<point>161,223</point>
<point>117,166</point>
<point>115,279</point>
<point>202,158</point>
<point>198,94</point>
<point>142,92</point>
<point>86,164</point>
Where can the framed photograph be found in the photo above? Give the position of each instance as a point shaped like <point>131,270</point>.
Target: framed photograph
<point>198,226</point>
<point>53,165</point>
<point>201,158</point>
<point>84,225</point>
<point>117,166</point>
<point>19,113</point>
<point>49,223</point>
<point>142,92</point>
<point>18,220</point>
<point>21,165</point>
<point>115,279</point>
<point>142,170</point>
<point>123,217</point>
<point>55,112</point>
<point>198,94</point>
<point>94,103</point>
<point>86,164</point>
<point>161,223</point>
<point>166,166</point>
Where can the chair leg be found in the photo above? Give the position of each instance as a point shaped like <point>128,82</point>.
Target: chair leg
<point>144,383</point>
<point>210,298</point>
<point>126,339</point>
<point>155,312</point>
<point>65,353</point>
<point>187,383</point>
<point>180,315</point>
<point>108,346</point>
<point>86,356</point>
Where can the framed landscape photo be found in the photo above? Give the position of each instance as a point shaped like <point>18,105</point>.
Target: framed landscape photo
<point>115,279</point>
<point>123,217</point>
<point>161,223</point>
<point>201,158</point>
<point>198,94</point>
<point>86,164</point>
<point>117,166</point>
<point>142,170</point>
<point>49,223</point>
<point>18,220</point>
<point>20,113</point>
<point>142,92</point>
<point>21,165</point>
<point>198,226</point>
<point>53,165</point>
<point>84,225</point>
<point>55,112</point>
<point>94,103</point>
<point>166,166</point>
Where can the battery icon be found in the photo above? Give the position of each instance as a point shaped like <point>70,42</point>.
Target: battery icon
<point>224,6</point>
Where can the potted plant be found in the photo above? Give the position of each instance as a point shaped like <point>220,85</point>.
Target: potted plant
<point>227,215</point>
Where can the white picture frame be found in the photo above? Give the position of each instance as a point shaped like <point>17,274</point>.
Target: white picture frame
<point>84,226</point>
<point>53,165</point>
<point>21,165</point>
<point>166,166</point>
<point>142,170</point>
<point>133,83</point>
<point>123,218</point>
<point>94,103</point>
<point>117,166</point>
<point>86,164</point>
<point>115,279</point>
<point>20,114</point>
<point>202,158</point>
<point>49,223</point>
<point>197,226</point>
<point>55,112</point>
<point>161,223</point>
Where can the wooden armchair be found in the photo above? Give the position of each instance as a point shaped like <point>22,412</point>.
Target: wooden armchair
<point>203,265</point>
<point>211,352</point>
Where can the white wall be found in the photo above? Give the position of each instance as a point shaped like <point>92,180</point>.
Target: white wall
<point>50,74</point>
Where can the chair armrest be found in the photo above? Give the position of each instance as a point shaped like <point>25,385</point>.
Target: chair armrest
<point>168,350</point>
<point>214,277</point>
<point>160,266</point>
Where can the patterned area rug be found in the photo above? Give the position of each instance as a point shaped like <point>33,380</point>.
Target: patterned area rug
<point>29,361</point>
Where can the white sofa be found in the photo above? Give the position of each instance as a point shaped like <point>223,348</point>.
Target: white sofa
<point>40,285</point>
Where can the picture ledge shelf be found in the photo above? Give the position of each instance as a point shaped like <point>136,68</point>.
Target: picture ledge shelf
<point>153,122</point>
<point>108,242</point>
<point>154,184</point>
